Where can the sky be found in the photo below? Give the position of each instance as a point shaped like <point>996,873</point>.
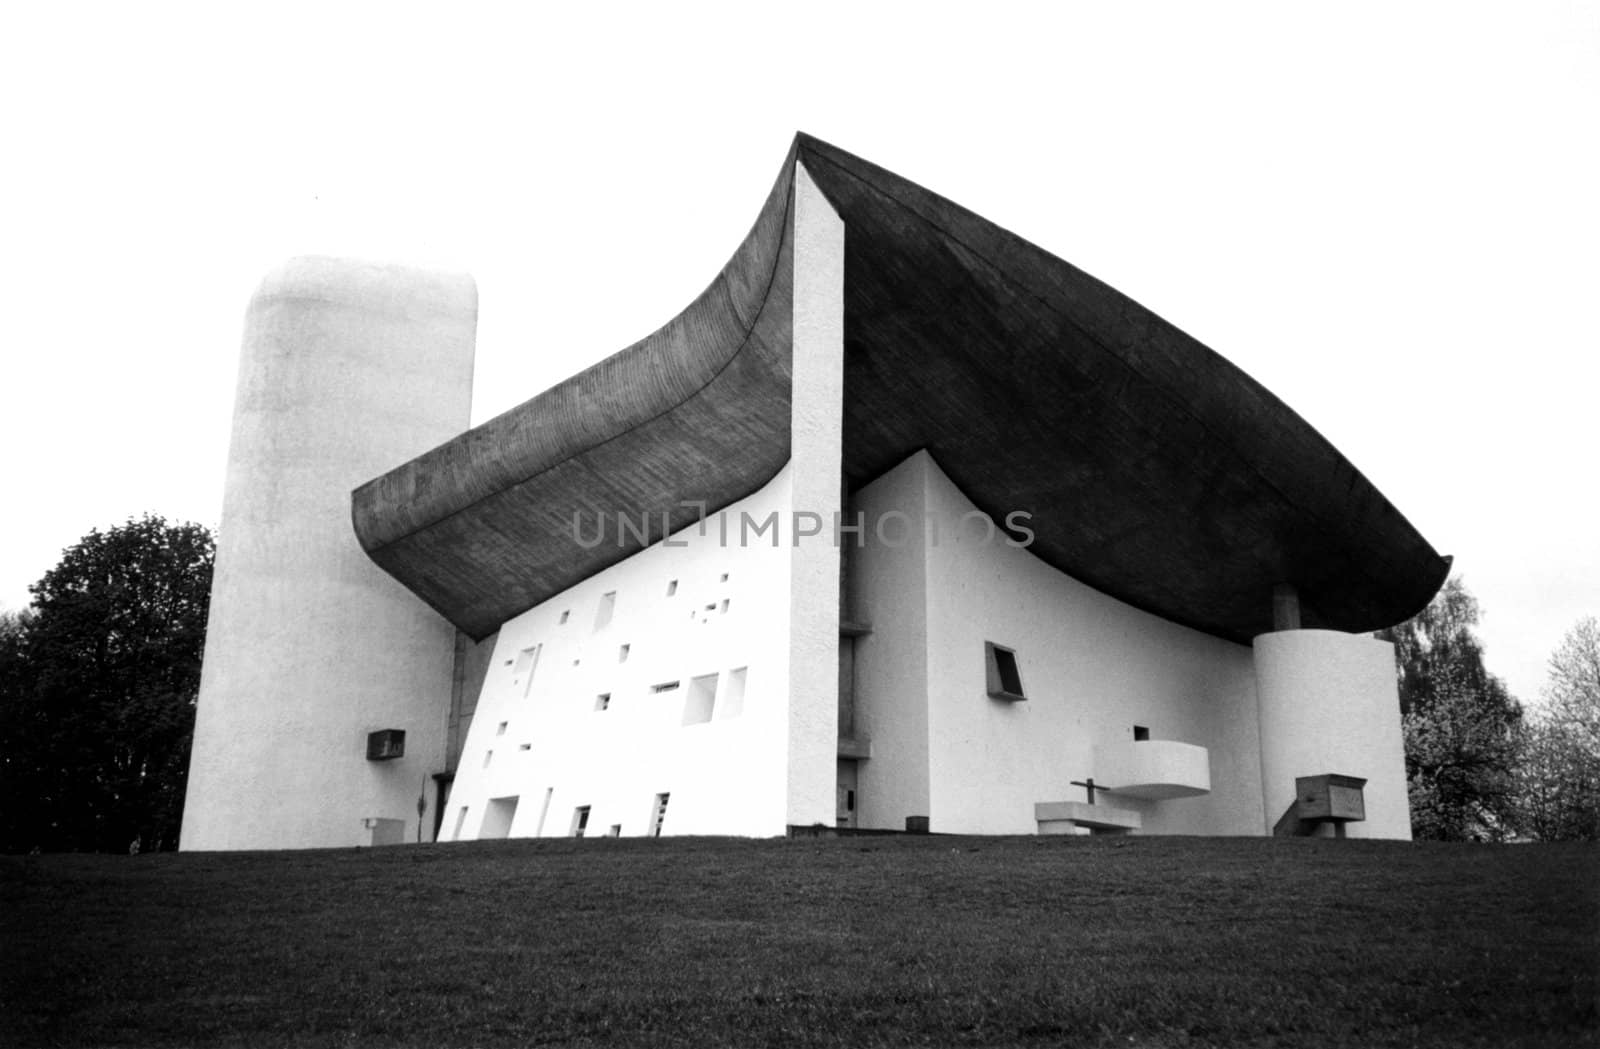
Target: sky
<point>1386,213</point>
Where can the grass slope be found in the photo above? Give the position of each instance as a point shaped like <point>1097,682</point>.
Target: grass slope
<point>1151,942</point>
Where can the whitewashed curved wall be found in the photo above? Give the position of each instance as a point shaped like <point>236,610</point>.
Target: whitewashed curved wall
<point>712,599</point>
<point>347,369</point>
<point>1329,703</point>
<point>1092,667</point>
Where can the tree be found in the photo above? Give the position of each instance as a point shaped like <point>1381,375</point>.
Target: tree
<point>97,690</point>
<point>1463,728</point>
<point>1559,782</point>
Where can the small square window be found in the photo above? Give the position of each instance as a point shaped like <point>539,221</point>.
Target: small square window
<point>1004,677</point>
<point>602,701</point>
<point>1140,733</point>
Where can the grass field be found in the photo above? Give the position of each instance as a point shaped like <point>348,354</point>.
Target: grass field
<point>1143,942</point>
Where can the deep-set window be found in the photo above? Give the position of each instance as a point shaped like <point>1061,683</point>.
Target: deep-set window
<point>602,615</point>
<point>1004,678</point>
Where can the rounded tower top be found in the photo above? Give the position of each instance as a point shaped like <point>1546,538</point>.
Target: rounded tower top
<point>375,286</point>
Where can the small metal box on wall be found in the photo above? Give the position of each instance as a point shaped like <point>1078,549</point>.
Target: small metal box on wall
<point>386,744</point>
<point>1330,797</point>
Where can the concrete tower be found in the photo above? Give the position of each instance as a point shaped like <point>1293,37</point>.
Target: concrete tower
<point>347,368</point>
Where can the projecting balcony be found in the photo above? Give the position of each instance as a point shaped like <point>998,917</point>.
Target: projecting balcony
<point>1153,769</point>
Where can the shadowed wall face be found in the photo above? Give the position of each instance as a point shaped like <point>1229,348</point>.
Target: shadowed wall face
<point>346,368</point>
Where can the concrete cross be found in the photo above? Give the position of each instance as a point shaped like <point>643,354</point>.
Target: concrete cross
<point>1088,786</point>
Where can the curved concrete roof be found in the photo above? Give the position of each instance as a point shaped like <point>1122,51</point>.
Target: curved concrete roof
<point>1155,470</point>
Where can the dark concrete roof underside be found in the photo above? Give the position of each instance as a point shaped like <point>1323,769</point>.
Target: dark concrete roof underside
<point>1153,469</point>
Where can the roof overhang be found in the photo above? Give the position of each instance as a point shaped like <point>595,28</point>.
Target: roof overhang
<point>1152,469</point>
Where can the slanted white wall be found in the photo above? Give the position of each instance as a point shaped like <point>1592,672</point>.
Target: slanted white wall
<point>766,757</point>
<point>1330,703</point>
<point>1092,668</point>
<point>347,369</point>
<point>727,775</point>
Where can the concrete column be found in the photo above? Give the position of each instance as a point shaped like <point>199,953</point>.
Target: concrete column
<point>347,369</point>
<point>817,427</point>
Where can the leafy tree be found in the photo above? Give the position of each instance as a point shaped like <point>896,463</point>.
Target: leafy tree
<point>97,690</point>
<point>1560,776</point>
<point>1463,729</point>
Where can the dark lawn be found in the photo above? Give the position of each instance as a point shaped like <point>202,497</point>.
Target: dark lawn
<point>854,941</point>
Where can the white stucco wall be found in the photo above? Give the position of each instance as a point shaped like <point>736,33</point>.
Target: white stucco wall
<point>1092,668</point>
<point>728,775</point>
<point>887,586</point>
<point>1330,703</point>
<point>346,370</point>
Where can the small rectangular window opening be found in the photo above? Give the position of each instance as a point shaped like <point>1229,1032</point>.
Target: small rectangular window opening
<point>524,746</point>
<point>500,729</point>
<point>564,616</point>
<point>580,820</point>
<point>1140,733</point>
<point>488,756</point>
<point>1004,678</point>
<point>498,815</point>
<point>615,831</point>
<point>658,814</point>
<point>672,587</point>
<point>602,701</point>
<point>602,615</point>
<point>732,704</point>
<point>665,686</point>
<point>527,665</point>
<point>724,577</point>
<point>622,654</point>
<point>702,698</point>
<point>725,603</point>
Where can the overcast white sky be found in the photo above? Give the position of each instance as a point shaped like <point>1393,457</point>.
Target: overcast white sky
<point>1389,214</point>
